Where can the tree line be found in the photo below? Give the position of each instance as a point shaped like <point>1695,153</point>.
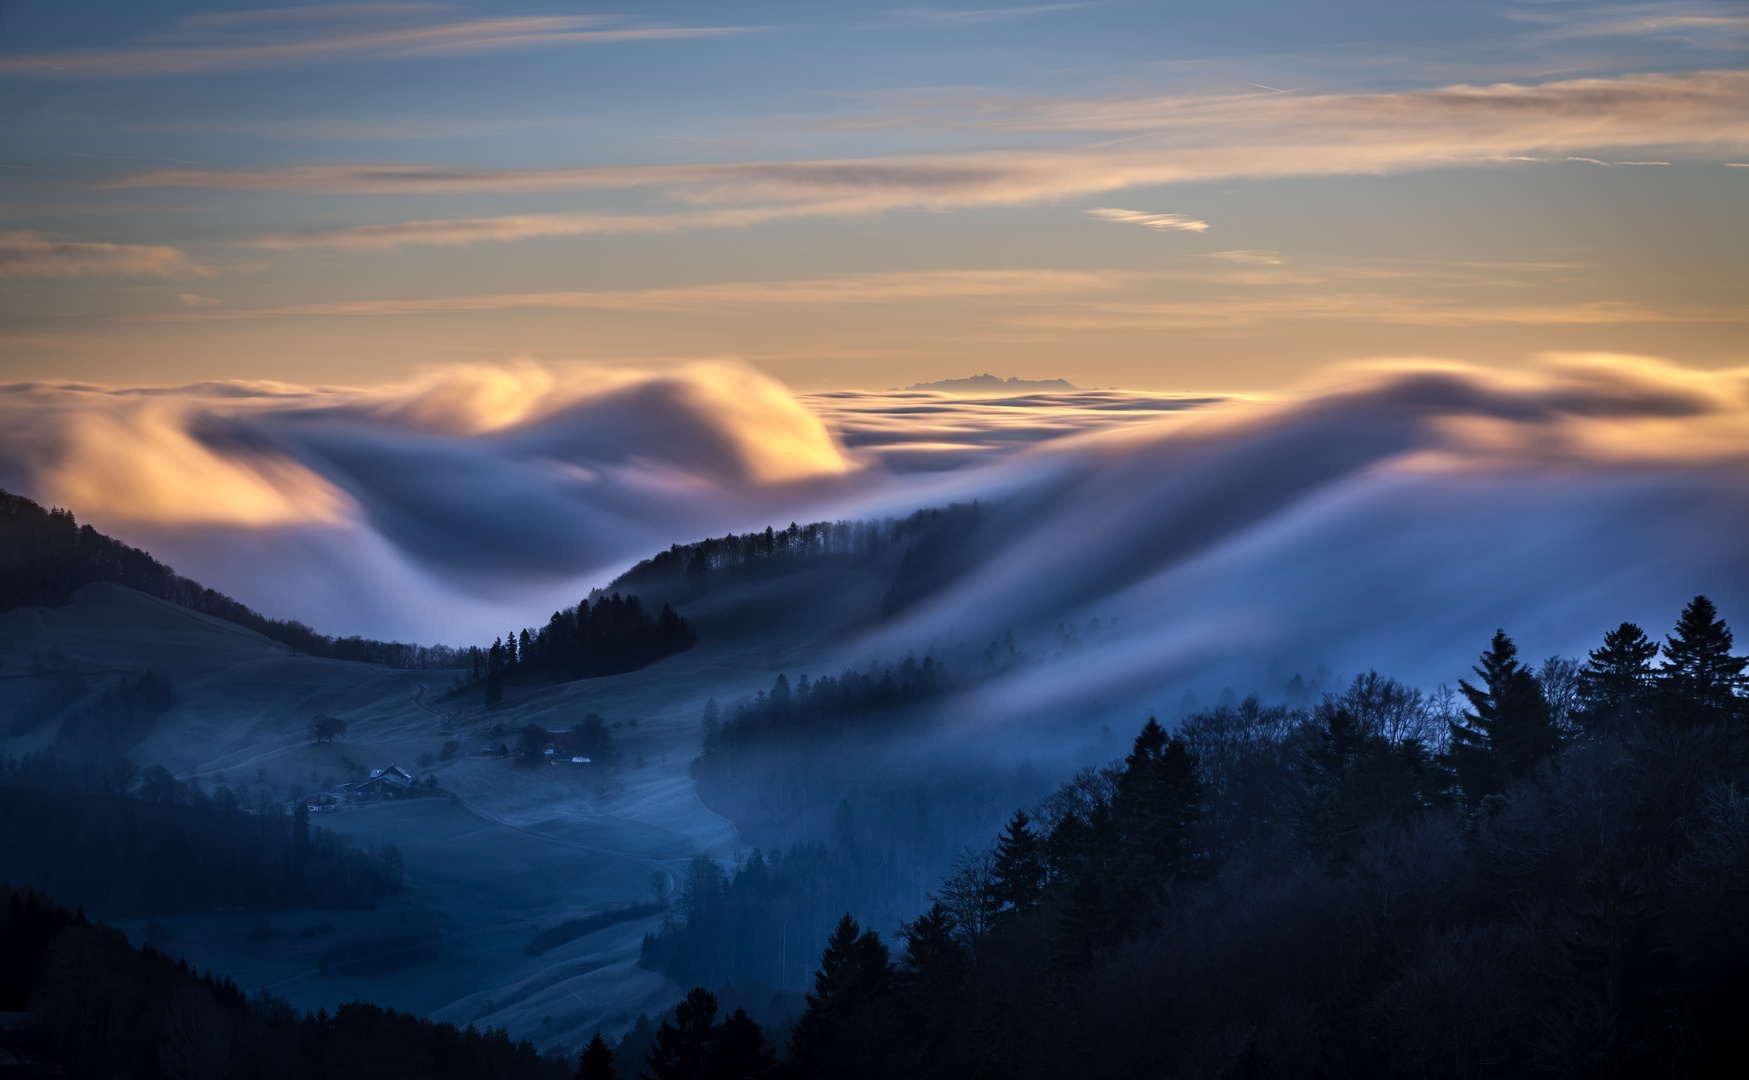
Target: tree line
<point>685,570</point>
<point>46,556</point>
<point>1553,884</point>
<point>609,637</point>
<point>818,709</point>
<point>133,840</point>
<point>101,1008</point>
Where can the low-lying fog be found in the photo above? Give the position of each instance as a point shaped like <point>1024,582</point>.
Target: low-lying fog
<point>1368,520</point>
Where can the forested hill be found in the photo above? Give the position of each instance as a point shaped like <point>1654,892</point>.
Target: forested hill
<point>1528,888</point>
<point>927,548</point>
<point>45,556</point>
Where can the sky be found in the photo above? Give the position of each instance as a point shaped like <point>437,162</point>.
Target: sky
<point>1393,322</point>
<point>1159,196</point>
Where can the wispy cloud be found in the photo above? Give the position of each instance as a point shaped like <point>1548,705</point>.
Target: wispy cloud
<point>975,16</point>
<point>1579,160</point>
<point>240,41</point>
<point>1171,139</point>
<point>1701,25</point>
<point>1162,222</point>
<point>456,232</point>
<point>1246,311</point>
<point>1249,257</point>
<point>859,289</point>
<point>27,254</point>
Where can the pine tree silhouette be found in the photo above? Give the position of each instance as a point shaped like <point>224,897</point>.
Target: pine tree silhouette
<point>1158,805</point>
<point>1618,678</point>
<point>682,1047</point>
<point>1020,867</point>
<point>934,966</point>
<point>738,1051</point>
<point>1510,730</point>
<point>1701,676</point>
<point>596,1061</point>
<point>845,1029</point>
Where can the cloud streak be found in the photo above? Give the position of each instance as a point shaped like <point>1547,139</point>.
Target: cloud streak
<point>934,16</point>
<point>409,33</point>
<point>28,254</point>
<point>1160,222</point>
<point>483,496</point>
<point>856,290</point>
<point>1162,140</point>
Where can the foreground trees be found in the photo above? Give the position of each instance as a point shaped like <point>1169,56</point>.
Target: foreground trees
<point>1326,894</point>
<point>1263,893</point>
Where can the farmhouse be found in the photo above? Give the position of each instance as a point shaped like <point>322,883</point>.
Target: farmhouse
<point>387,783</point>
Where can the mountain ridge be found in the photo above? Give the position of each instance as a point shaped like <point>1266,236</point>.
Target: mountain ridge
<point>988,384</point>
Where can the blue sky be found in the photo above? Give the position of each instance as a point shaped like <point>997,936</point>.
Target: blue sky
<point>1162,195</point>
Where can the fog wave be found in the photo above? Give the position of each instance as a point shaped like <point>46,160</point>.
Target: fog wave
<point>1388,503</point>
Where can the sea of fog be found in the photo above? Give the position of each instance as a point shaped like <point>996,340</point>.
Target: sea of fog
<point>1370,518</point>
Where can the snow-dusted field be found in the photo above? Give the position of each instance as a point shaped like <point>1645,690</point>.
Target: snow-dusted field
<point>505,851</point>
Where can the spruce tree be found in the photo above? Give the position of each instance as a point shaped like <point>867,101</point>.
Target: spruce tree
<point>596,1061</point>
<point>738,1051</point>
<point>845,1031</point>
<point>1510,730</point>
<point>934,967</point>
<point>1700,675</point>
<point>1020,867</point>
<point>1617,679</point>
<point>1158,806</point>
<point>682,1047</point>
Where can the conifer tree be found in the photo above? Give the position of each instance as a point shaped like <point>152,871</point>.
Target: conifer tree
<point>1510,730</point>
<point>596,1061</point>
<point>1700,675</point>
<point>682,1047</point>
<point>1158,805</point>
<point>934,966</point>
<point>738,1051</point>
<point>1618,677</point>
<point>844,1031</point>
<point>1019,866</point>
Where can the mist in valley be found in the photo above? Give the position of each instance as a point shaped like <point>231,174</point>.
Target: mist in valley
<point>842,714</point>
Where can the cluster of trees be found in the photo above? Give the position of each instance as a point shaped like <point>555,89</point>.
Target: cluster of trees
<point>686,569</point>
<point>829,709</point>
<point>821,709</point>
<point>127,840</point>
<point>1543,887</point>
<point>102,1008</point>
<point>45,556</point>
<point>609,637</point>
<point>758,922</point>
<point>117,721</point>
<point>593,740</point>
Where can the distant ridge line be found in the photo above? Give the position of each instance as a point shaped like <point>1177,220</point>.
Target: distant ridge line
<point>987,383</point>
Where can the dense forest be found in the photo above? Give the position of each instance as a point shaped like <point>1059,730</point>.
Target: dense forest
<point>1545,878</point>
<point>1549,882</point>
<point>609,637</point>
<point>826,777</point>
<point>103,1008</point>
<point>45,556</point>
<point>138,841</point>
<point>822,709</point>
<point>931,547</point>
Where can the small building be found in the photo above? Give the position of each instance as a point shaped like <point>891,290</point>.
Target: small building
<point>317,804</point>
<point>385,783</point>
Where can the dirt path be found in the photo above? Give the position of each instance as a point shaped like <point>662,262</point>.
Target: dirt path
<point>418,693</point>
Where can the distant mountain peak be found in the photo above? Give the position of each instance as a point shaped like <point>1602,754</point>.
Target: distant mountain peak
<point>990,384</point>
